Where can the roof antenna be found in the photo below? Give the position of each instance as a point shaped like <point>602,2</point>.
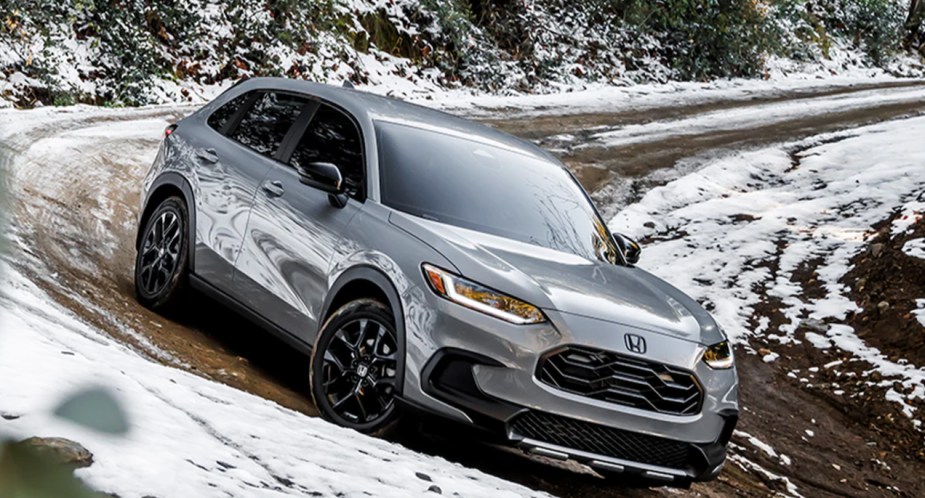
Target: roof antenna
<point>347,84</point>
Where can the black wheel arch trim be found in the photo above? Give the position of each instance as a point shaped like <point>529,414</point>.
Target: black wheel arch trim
<point>178,181</point>
<point>485,411</point>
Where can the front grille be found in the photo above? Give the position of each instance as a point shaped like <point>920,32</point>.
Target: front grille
<point>601,440</point>
<point>623,380</point>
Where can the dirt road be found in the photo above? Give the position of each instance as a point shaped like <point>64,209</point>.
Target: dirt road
<point>74,177</point>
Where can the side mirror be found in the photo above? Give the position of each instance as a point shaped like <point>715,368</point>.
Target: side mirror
<point>322,176</point>
<point>631,249</point>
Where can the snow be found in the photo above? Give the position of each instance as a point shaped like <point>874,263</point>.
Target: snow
<point>191,436</point>
<point>732,119</point>
<point>919,312</point>
<point>751,219</point>
<point>749,466</point>
<point>915,248</point>
<point>910,213</point>
<point>599,98</point>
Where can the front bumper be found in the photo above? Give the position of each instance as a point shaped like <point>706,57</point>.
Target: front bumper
<point>482,371</point>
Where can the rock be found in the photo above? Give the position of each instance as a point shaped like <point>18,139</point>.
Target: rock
<point>814,325</point>
<point>883,306</point>
<point>422,476</point>
<point>435,489</point>
<point>876,250</point>
<point>61,450</point>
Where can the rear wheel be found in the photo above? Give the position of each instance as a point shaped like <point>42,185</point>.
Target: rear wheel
<point>161,263</point>
<point>355,368</point>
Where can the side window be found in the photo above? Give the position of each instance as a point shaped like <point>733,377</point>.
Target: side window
<point>220,117</point>
<point>265,124</point>
<point>331,137</point>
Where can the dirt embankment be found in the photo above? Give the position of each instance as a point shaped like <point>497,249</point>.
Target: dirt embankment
<point>842,436</point>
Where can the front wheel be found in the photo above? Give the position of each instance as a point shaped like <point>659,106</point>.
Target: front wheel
<point>355,368</point>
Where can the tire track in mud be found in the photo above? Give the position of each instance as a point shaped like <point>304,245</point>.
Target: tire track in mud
<point>73,180</point>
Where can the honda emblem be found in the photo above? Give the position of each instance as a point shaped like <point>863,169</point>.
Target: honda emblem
<point>635,343</point>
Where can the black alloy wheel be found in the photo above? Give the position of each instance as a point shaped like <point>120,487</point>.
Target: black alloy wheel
<point>161,263</point>
<point>355,368</point>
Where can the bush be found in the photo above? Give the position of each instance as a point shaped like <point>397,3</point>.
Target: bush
<point>873,26</point>
<point>704,39</point>
<point>128,52</point>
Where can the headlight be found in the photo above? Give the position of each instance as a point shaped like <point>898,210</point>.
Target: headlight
<point>718,356</point>
<point>481,298</point>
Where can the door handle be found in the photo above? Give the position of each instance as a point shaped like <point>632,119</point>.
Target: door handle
<point>207,155</point>
<point>273,189</point>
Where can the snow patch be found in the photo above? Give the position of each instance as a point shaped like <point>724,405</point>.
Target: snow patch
<point>751,219</point>
<point>915,248</point>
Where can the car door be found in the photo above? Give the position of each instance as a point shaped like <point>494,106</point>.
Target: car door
<point>295,231</point>
<point>225,191</point>
<point>254,126</point>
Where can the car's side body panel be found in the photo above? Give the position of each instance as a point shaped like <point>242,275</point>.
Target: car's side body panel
<point>288,247</point>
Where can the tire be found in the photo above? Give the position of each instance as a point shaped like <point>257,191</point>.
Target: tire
<point>161,264</point>
<point>356,368</point>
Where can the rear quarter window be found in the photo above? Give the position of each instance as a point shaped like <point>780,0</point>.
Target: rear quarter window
<point>266,123</point>
<point>219,119</point>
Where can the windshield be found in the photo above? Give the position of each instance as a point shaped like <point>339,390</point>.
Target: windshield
<point>490,189</point>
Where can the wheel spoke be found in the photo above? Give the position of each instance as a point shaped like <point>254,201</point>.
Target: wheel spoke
<point>361,335</point>
<point>159,230</point>
<point>359,399</point>
<point>340,402</point>
<point>147,279</point>
<point>149,244</point>
<point>171,224</point>
<point>341,335</point>
<point>330,359</point>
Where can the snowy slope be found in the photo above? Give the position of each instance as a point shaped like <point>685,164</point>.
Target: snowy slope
<point>191,436</point>
<point>733,233</point>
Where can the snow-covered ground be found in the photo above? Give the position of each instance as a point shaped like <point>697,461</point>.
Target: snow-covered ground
<point>738,228</point>
<point>593,98</point>
<point>767,114</point>
<point>190,436</point>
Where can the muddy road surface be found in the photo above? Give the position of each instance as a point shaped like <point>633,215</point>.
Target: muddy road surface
<point>73,178</point>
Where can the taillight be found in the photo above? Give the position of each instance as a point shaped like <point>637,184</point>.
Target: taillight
<point>169,130</point>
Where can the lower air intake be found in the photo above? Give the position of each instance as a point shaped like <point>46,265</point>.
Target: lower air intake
<point>602,440</point>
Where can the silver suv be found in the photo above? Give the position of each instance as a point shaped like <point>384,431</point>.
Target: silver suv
<point>426,262</point>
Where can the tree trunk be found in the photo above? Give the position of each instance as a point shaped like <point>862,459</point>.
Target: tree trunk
<point>913,26</point>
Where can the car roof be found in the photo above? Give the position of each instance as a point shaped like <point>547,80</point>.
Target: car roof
<point>369,108</point>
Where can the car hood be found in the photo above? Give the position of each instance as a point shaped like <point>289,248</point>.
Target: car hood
<point>564,282</point>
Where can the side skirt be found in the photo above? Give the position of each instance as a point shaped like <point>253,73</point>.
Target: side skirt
<point>211,291</point>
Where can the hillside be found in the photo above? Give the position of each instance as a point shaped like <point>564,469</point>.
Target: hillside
<point>133,52</point>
